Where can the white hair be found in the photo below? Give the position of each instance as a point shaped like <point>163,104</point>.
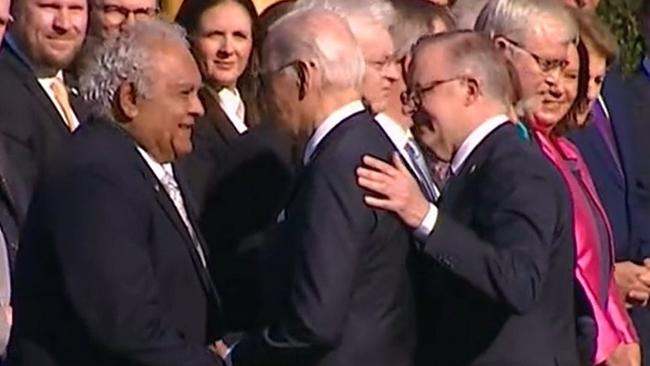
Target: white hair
<point>125,58</point>
<point>341,63</point>
<point>514,18</point>
<point>357,12</point>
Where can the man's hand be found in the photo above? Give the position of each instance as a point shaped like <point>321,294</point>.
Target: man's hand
<point>633,282</point>
<point>402,194</point>
<point>220,348</point>
<point>625,355</point>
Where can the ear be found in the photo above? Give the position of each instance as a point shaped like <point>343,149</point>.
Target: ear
<point>472,90</point>
<point>306,74</point>
<point>126,101</point>
<point>503,46</point>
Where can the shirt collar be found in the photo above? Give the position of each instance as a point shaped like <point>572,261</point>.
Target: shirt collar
<point>328,125</point>
<point>159,170</point>
<point>474,139</point>
<point>396,133</point>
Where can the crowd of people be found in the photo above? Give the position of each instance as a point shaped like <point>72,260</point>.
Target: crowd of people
<point>329,182</point>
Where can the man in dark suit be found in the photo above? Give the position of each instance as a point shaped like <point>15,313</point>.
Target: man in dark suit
<point>497,256</point>
<point>349,299</point>
<point>12,211</point>
<point>38,109</point>
<point>112,270</point>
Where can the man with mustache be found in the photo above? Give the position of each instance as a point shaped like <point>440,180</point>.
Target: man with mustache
<point>39,109</point>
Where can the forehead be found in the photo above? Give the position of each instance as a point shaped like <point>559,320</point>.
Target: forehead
<point>374,40</point>
<point>63,3</point>
<point>173,56</point>
<point>228,13</point>
<point>129,3</point>
<point>429,60</point>
<point>548,38</point>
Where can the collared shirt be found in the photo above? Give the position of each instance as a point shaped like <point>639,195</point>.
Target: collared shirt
<point>159,170</point>
<point>233,106</point>
<point>474,139</point>
<point>46,84</point>
<point>328,125</point>
<point>469,144</point>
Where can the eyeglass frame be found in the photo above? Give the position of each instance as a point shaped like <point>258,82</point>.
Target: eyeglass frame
<point>124,12</point>
<point>414,98</point>
<point>546,65</point>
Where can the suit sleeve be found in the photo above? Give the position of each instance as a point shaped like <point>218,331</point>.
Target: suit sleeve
<point>330,229</point>
<point>108,276</point>
<point>506,255</point>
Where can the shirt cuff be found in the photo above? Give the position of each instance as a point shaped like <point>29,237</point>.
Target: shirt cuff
<point>228,356</point>
<point>426,227</point>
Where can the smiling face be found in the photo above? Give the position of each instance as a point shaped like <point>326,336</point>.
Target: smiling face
<point>162,122</point>
<point>223,43</point>
<point>50,32</point>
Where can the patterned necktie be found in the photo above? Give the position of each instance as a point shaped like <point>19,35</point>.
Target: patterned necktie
<point>171,187</point>
<point>421,169</point>
<point>62,98</point>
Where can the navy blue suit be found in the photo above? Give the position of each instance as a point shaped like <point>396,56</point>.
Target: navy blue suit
<point>624,193</point>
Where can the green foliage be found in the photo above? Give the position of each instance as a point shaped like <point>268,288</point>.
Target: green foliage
<point>620,15</point>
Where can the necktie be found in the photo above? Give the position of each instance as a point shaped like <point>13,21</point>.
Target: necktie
<point>62,98</point>
<point>421,169</point>
<point>171,187</point>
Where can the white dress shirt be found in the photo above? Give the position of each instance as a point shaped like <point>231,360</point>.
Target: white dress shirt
<point>400,137</point>
<point>232,105</point>
<point>46,84</point>
<point>466,148</point>
<point>162,171</point>
<point>328,125</point>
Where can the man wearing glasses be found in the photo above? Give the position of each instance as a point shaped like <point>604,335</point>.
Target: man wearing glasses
<point>495,274</point>
<point>109,17</point>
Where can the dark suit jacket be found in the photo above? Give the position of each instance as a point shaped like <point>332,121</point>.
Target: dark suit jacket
<point>13,204</point>
<point>241,182</point>
<point>32,128</point>
<point>107,273</point>
<point>350,301</point>
<point>504,253</point>
<point>626,197</point>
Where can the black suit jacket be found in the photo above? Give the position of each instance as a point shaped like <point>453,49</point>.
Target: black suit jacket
<point>350,300</point>
<point>503,245</point>
<point>107,273</point>
<point>241,183</point>
<point>32,128</point>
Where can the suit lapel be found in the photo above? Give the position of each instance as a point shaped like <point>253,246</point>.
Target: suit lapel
<point>217,116</point>
<point>31,83</point>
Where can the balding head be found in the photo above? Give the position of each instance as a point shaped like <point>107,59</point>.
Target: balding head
<point>310,72</point>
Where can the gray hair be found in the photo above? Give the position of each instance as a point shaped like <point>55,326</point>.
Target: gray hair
<point>125,58</point>
<point>466,12</point>
<point>473,55</point>
<point>356,12</point>
<point>514,18</point>
<point>341,63</point>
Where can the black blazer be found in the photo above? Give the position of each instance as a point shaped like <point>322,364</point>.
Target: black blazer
<point>241,183</point>
<point>31,128</point>
<point>350,301</point>
<point>107,273</point>
<point>502,251</point>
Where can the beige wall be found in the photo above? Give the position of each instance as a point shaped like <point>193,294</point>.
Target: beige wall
<point>170,7</point>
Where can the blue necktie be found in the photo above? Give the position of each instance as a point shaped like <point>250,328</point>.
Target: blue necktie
<point>421,170</point>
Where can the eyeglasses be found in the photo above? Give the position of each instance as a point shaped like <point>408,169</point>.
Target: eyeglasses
<point>546,65</point>
<point>381,65</point>
<point>117,14</point>
<point>414,97</point>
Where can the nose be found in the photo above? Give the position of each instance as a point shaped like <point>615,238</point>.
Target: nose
<point>553,76</point>
<point>62,21</point>
<point>196,107</point>
<point>129,21</point>
<point>392,71</point>
<point>226,48</point>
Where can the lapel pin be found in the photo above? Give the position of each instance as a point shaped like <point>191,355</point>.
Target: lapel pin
<point>472,169</point>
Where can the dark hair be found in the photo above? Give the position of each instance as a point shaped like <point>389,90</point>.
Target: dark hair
<point>595,36</point>
<point>271,15</point>
<point>189,16</point>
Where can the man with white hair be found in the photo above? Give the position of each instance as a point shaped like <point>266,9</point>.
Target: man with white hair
<point>349,301</point>
<point>369,21</point>
<point>111,270</point>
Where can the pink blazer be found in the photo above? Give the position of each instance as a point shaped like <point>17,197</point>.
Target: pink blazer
<point>613,324</point>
